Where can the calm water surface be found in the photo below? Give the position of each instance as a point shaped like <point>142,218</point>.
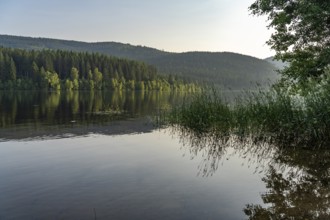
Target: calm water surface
<point>99,156</point>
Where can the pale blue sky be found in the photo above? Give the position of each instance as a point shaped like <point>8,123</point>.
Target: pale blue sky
<point>171,25</point>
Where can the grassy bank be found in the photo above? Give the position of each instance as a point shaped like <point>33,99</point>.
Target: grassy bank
<point>271,116</point>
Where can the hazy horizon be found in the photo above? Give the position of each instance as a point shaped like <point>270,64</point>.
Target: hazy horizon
<point>128,43</point>
<point>173,26</point>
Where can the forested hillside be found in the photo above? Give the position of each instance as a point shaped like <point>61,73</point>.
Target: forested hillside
<point>225,69</point>
<point>121,50</point>
<point>58,69</point>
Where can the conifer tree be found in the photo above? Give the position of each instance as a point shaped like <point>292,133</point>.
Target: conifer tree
<point>12,70</point>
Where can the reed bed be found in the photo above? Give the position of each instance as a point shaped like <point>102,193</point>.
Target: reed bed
<point>272,116</point>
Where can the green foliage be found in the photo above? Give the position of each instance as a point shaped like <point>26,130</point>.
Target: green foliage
<point>50,69</point>
<point>204,113</point>
<point>7,68</point>
<point>97,78</point>
<point>90,85</point>
<point>68,84</point>
<point>35,71</point>
<point>130,85</point>
<point>274,117</point>
<point>74,74</point>
<point>2,66</point>
<point>51,78</point>
<point>301,37</point>
<point>75,84</point>
<point>12,70</point>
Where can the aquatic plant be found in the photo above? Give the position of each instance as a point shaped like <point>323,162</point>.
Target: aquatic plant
<point>273,116</point>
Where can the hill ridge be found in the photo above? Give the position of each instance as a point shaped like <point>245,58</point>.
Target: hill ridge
<point>227,69</point>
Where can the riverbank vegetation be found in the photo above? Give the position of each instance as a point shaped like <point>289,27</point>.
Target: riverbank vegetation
<point>56,70</point>
<point>272,116</point>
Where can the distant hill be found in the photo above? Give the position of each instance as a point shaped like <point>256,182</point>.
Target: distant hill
<point>110,48</point>
<point>277,63</point>
<point>220,68</point>
<point>224,68</point>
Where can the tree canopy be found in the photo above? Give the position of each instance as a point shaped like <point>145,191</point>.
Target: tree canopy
<point>301,37</point>
<point>57,69</point>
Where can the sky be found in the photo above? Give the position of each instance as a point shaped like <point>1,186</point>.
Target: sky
<point>169,25</point>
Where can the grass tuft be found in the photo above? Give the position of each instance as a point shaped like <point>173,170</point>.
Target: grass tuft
<point>271,116</point>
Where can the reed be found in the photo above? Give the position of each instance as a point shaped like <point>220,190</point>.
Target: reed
<point>273,116</point>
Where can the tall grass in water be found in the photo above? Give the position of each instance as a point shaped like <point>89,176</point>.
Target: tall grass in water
<point>272,116</point>
<point>201,113</point>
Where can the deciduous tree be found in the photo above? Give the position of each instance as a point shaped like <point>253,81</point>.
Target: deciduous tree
<point>301,37</point>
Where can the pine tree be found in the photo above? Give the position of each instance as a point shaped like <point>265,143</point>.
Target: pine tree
<point>12,70</point>
<point>74,75</point>
<point>97,77</point>
<point>2,66</point>
<point>35,71</point>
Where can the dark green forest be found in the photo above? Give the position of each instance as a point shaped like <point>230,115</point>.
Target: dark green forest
<point>225,69</point>
<point>58,69</point>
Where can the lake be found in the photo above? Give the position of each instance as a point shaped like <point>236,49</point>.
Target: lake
<point>100,155</point>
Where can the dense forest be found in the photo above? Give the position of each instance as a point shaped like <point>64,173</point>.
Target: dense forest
<point>222,68</point>
<point>57,69</point>
<point>226,69</point>
<point>121,50</point>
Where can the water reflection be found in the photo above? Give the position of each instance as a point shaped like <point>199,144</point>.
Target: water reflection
<point>42,114</point>
<point>215,148</point>
<point>297,179</point>
<point>303,192</point>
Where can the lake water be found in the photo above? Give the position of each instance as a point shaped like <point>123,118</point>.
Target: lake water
<point>100,156</point>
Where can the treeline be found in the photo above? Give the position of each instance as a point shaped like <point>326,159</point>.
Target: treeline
<point>57,69</point>
<point>229,70</point>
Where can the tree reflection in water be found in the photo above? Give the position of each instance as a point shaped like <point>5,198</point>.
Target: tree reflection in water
<point>301,193</point>
<point>297,180</point>
<point>43,114</point>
